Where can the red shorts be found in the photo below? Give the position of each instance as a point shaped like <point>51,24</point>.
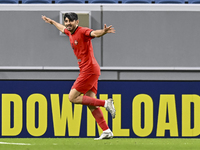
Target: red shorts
<point>86,82</point>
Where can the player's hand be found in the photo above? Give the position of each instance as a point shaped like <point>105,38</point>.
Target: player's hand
<point>47,20</point>
<point>109,29</point>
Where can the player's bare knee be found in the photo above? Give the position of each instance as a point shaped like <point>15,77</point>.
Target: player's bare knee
<point>71,98</point>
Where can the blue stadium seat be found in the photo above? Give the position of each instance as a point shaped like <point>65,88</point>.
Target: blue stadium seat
<point>9,1</point>
<point>103,1</point>
<point>36,1</point>
<point>194,1</point>
<point>69,1</point>
<point>170,1</point>
<point>136,1</point>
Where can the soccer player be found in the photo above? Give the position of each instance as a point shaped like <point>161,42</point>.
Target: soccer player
<point>84,89</point>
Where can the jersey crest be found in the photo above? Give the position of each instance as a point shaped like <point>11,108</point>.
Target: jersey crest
<point>75,42</point>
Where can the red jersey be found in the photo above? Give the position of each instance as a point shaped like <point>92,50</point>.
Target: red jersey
<point>82,45</point>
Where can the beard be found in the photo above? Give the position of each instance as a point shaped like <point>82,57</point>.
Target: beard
<point>70,28</point>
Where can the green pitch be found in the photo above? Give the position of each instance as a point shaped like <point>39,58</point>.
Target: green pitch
<point>90,144</point>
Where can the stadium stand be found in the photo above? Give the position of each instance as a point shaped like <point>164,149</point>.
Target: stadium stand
<point>36,1</point>
<point>69,1</point>
<point>100,1</point>
<point>170,1</point>
<point>137,1</point>
<point>194,1</point>
<point>9,1</point>
<point>103,1</point>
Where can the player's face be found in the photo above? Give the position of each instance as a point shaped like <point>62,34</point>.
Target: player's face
<point>71,25</point>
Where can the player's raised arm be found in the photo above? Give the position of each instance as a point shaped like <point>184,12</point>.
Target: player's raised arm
<point>105,30</point>
<point>56,24</point>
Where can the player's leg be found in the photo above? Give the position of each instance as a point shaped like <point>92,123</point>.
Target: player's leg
<point>98,115</point>
<point>108,104</point>
<point>76,98</point>
<point>83,84</point>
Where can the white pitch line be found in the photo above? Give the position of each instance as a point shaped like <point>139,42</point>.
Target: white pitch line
<point>14,143</point>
